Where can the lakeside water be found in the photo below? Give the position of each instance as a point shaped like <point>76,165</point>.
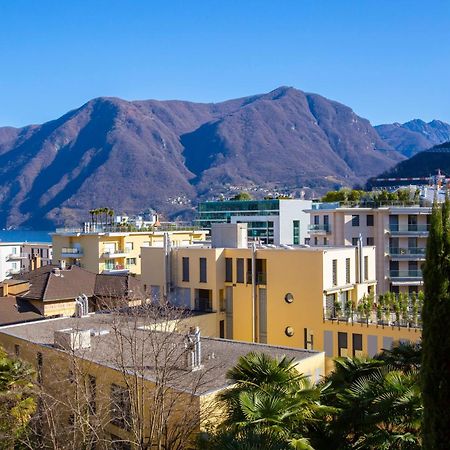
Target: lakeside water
<point>24,235</point>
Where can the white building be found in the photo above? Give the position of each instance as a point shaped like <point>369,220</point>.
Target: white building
<point>10,259</point>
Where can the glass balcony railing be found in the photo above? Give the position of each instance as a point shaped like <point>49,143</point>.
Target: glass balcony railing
<point>260,277</point>
<point>409,228</point>
<point>314,228</point>
<point>405,273</point>
<point>115,253</point>
<point>74,252</point>
<point>407,252</point>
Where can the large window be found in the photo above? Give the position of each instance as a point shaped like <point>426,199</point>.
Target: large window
<point>296,232</point>
<point>240,270</point>
<point>203,274</point>
<point>347,270</point>
<point>229,270</point>
<point>342,344</point>
<point>355,220</point>
<point>120,406</point>
<point>369,220</point>
<point>185,262</point>
<point>357,344</point>
<point>335,272</point>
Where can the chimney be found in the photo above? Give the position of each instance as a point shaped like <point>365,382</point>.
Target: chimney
<point>5,289</point>
<point>193,349</point>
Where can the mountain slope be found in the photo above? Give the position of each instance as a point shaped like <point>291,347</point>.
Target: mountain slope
<point>134,155</point>
<point>423,164</point>
<point>414,136</point>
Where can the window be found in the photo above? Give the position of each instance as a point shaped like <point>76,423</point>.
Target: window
<point>369,220</point>
<point>316,220</point>
<point>325,241</point>
<point>229,270</point>
<point>128,246</point>
<point>316,241</point>
<point>393,222</point>
<point>185,270</point>
<point>203,275</point>
<point>334,272</point>
<point>370,241</point>
<point>131,261</point>
<point>355,241</point>
<point>366,268</point>
<point>308,339</point>
<point>222,329</point>
<point>296,232</point>
<point>92,394</point>
<point>347,270</point>
<point>120,406</point>
<point>355,220</point>
<point>342,344</point>
<point>357,344</point>
<point>40,363</point>
<point>240,270</point>
<point>249,271</point>
<point>17,350</point>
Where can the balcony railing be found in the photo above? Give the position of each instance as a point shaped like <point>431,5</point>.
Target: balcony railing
<point>410,228</point>
<point>203,305</point>
<point>260,277</point>
<point>319,229</point>
<point>116,253</point>
<point>71,252</point>
<point>418,252</point>
<point>405,273</point>
<point>15,257</point>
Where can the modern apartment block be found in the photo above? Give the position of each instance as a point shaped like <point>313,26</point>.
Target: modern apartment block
<point>291,297</point>
<point>399,234</point>
<point>10,259</point>
<point>113,251</point>
<point>276,221</point>
<point>35,254</point>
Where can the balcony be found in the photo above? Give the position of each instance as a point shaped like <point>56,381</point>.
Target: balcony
<point>71,252</point>
<point>260,277</point>
<point>116,253</point>
<point>410,253</point>
<point>13,271</point>
<point>319,229</point>
<point>15,257</point>
<point>405,274</point>
<point>115,268</point>
<point>409,230</point>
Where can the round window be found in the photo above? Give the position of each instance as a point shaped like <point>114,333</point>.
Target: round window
<point>289,298</point>
<point>289,331</point>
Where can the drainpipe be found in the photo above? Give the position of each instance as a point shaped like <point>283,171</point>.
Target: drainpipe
<point>167,271</point>
<point>253,292</point>
<point>360,259</point>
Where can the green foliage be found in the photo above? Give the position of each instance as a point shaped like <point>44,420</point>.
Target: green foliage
<point>363,404</point>
<point>372,198</point>
<point>242,196</point>
<point>435,336</point>
<point>17,404</point>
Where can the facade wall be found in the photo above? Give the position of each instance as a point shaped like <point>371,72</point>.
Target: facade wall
<point>305,274</point>
<point>10,260</point>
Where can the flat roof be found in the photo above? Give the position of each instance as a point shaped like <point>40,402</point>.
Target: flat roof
<point>218,355</point>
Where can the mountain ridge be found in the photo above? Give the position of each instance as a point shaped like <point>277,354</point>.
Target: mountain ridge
<point>168,155</point>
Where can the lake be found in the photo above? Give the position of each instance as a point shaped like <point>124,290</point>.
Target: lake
<point>23,235</point>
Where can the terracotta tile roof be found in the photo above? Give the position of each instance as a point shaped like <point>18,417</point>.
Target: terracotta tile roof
<point>117,286</point>
<point>51,283</point>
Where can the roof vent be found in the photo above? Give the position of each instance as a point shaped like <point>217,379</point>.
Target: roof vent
<point>193,347</point>
<point>70,339</point>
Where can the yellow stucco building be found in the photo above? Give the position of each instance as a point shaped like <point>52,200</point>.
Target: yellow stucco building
<point>113,251</point>
<point>105,369</point>
<point>290,296</point>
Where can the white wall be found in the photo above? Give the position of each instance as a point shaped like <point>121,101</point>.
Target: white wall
<point>291,210</point>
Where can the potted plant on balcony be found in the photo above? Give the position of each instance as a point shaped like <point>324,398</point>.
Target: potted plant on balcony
<point>414,309</point>
<point>337,308</point>
<point>349,309</point>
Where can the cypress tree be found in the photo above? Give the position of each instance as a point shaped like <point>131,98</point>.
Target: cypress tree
<point>435,372</point>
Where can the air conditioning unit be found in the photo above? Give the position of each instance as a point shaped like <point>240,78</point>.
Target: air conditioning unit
<point>70,339</point>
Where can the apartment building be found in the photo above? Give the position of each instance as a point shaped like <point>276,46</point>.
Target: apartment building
<point>295,297</point>
<point>113,251</point>
<point>93,367</point>
<point>399,234</point>
<point>275,221</point>
<point>10,259</point>
<point>35,254</point>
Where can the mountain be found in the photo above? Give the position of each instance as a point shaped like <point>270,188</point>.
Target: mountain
<point>131,155</point>
<point>414,136</point>
<point>423,164</point>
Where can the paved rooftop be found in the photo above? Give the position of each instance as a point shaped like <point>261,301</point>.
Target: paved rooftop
<point>218,355</point>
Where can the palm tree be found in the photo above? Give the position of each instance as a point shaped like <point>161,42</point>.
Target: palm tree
<point>269,397</point>
<point>111,216</point>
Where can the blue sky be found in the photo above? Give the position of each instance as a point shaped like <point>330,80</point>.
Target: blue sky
<point>387,59</point>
